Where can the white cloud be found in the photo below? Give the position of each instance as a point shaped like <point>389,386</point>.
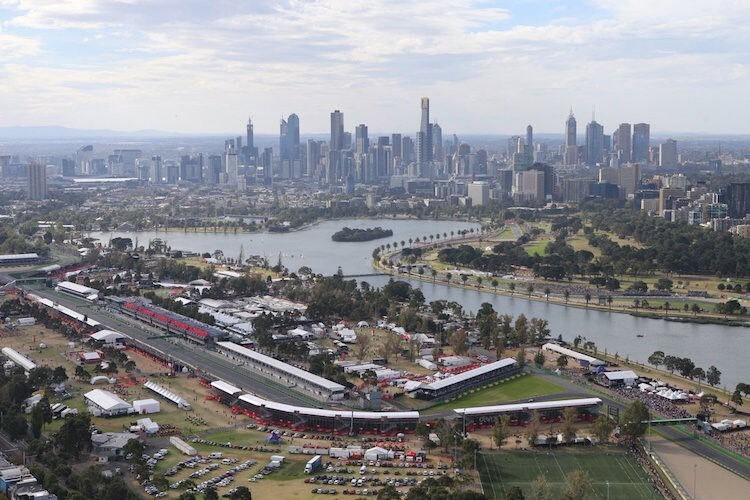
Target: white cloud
<point>196,65</point>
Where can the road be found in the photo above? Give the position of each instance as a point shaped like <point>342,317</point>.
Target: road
<point>192,355</point>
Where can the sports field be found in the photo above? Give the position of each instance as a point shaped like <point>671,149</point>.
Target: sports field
<point>500,471</point>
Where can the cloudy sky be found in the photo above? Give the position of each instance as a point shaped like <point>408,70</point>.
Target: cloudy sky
<point>488,66</point>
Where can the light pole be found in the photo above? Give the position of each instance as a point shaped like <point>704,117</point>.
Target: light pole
<point>607,490</point>
<point>695,473</point>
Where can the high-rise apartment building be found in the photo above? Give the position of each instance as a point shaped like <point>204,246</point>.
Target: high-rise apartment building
<point>361,140</point>
<point>594,143</point>
<point>396,146</point>
<point>641,140</point>
<point>571,144</point>
<point>37,181</point>
<point>337,131</point>
<point>424,139</point>
<point>668,154</point>
<point>623,143</point>
<point>737,198</point>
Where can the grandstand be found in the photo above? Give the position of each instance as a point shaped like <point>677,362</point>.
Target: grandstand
<point>70,313</point>
<point>227,393</point>
<point>18,259</point>
<point>77,290</point>
<point>343,422</point>
<point>278,370</point>
<point>520,413</point>
<point>173,323</point>
<point>471,379</point>
<point>583,359</point>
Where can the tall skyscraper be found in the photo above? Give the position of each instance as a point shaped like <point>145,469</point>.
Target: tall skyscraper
<point>530,137</point>
<point>362,141</point>
<point>737,197</point>
<point>396,145</point>
<point>283,140</point>
<point>623,143</point>
<point>571,140</point>
<point>337,131</point>
<point>668,154</point>
<point>250,151</point>
<point>37,181</point>
<point>594,143</point>
<point>424,139</point>
<point>293,137</point>
<point>641,140</point>
<point>437,143</point>
<point>191,168</point>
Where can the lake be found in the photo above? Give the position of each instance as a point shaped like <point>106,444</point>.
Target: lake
<point>723,346</point>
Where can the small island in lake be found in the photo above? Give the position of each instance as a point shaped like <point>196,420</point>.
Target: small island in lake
<point>355,234</point>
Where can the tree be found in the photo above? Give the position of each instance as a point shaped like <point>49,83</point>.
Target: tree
<point>664,284</point>
<point>603,427</point>
<point>460,341</point>
<point>633,420</point>
<point>587,298</point>
<point>737,398</point>
<point>541,489</point>
<point>210,494</point>
<point>362,348</point>
<point>579,486</point>
<point>698,373</point>
<point>514,493</point>
<point>464,278</point>
<point>75,436</point>
<point>133,449</point>
<point>547,291</point>
<point>539,359</point>
<point>500,430</point>
<point>241,493</point>
<point>388,492</point>
<point>391,345</point>
<point>494,284</point>
<point>566,294</point>
<point>562,361</point>
<point>656,359</point>
<point>521,357</point>
<point>570,415</point>
<point>609,301</point>
<point>532,430</point>
<point>713,376</point>
<point>512,287</point>
<point>530,289</point>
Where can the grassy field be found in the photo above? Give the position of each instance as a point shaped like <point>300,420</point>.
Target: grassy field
<point>526,386</point>
<point>536,247</point>
<point>501,471</point>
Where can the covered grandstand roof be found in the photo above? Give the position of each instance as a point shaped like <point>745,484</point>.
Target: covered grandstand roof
<point>621,375</point>
<point>481,370</point>
<point>64,310</point>
<point>107,335</point>
<point>187,325</point>
<point>364,415</point>
<point>106,400</point>
<point>280,365</point>
<point>573,354</point>
<point>224,387</point>
<point>542,405</point>
<point>18,256</point>
<point>69,286</point>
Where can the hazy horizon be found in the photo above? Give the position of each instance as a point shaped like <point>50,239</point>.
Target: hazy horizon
<point>489,67</point>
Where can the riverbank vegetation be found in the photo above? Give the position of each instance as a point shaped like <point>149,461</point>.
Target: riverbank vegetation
<point>356,234</point>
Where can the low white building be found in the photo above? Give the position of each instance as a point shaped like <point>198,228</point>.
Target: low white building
<point>104,403</point>
<point>146,406</point>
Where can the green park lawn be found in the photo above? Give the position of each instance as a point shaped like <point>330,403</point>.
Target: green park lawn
<point>536,247</point>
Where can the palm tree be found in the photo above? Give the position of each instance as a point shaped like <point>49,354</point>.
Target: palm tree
<point>403,243</point>
<point>479,281</point>
<point>448,277</point>
<point>530,289</point>
<point>609,301</point>
<point>512,288</point>
<point>547,291</point>
<point>494,284</point>
<point>411,240</point>
<point>464,277</point>
<point>434,274</point>
<point>636,303</point>
<point>666,308</point>
<point>566,293</point>
<point>587,297</point>
<point>452,233</point>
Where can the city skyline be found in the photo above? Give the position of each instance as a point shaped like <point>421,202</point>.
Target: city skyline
<point>130,66</point>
